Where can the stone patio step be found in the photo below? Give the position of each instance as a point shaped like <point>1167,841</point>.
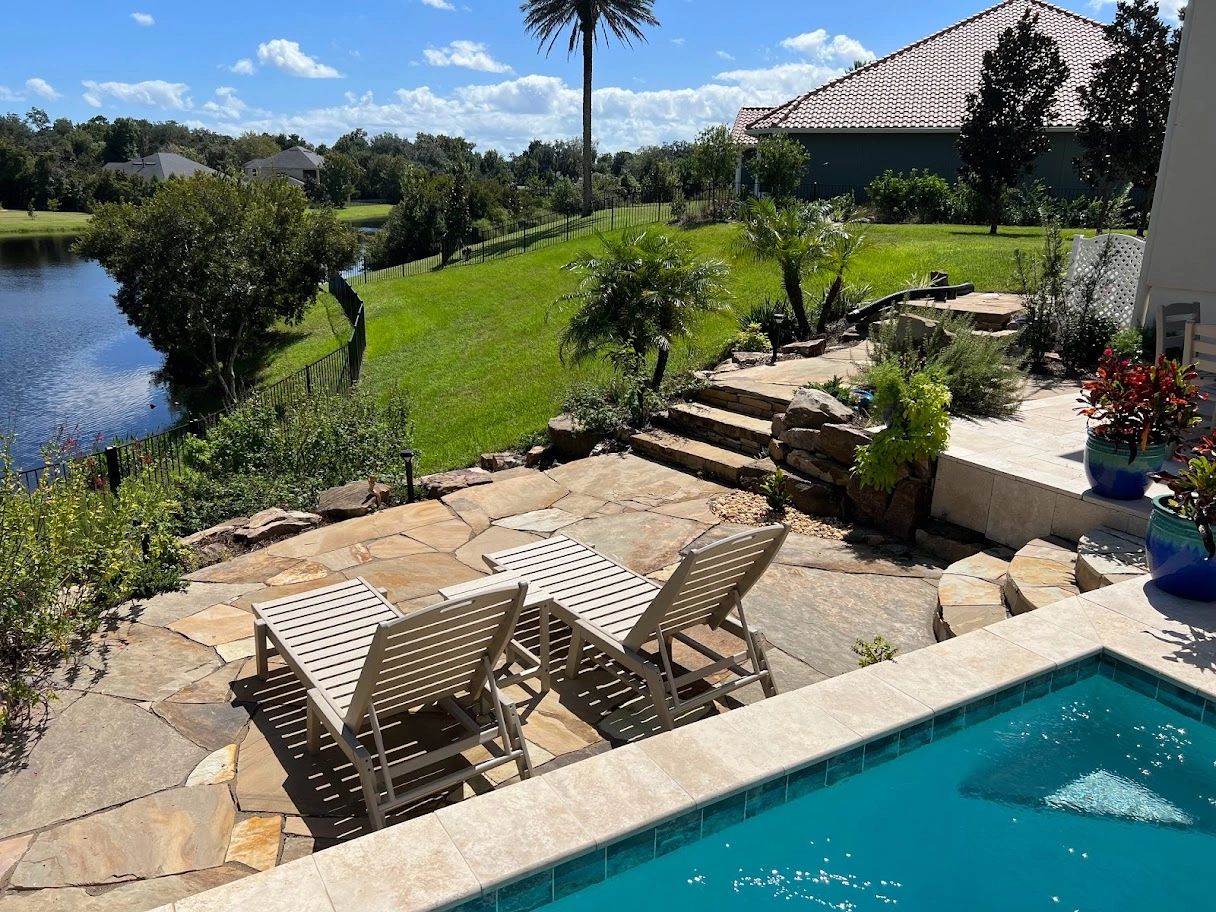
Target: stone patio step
<point>744,433</point>
<point>1107,556</point>
<point>748,397</point>
<point>1043,572</point>
<point>969,593</point>
<point>695,455</point>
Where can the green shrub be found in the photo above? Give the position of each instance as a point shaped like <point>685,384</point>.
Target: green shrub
<point>258,457</point>
<point>871,652</point>
<point>1128,343</point>
<point>918,196</point>
<point>69,551</point>
<point>914,408</point>
<point>981,372</point>
<point>776,491</point>
<point>1042,284</point>
<point>749,338</point>
<point>597,409</point>
<point>772,318</point>
<point>837,388</point>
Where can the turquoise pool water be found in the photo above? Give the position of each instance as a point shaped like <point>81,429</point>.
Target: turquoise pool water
<point>1095,797</point>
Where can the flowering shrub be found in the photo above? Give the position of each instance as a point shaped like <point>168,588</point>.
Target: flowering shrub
<point>915,409</point>
<point>1194,488</point>
<point>1140,404</point>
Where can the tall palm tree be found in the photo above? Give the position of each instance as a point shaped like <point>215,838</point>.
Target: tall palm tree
<point>588,21</point>
<point>642,293</point>
<point>789,236</point>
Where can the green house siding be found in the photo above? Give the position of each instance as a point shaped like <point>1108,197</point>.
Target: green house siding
<point>844,162</point>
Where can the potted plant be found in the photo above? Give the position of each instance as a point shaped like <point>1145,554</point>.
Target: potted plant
<point>1180,541</point>
<point>1138,412</point>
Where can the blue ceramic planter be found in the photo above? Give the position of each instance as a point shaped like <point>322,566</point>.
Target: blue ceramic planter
<point>1112,475</point>
<point>1176,556</point>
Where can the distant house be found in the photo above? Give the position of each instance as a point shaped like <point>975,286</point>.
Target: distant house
<point>298,165</point>
<point>160,167</point>
<point>905,110</point>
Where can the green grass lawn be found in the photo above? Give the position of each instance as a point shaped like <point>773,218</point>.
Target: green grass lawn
<point>13,223</point>
<point>474,348</point>
<point>358,212</point>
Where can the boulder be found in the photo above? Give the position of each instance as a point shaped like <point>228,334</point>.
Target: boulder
<point>898,513</point>
<point>535,456</point>
<point>776,451</point>
<point>750,359</point>
<point>359,498</point>
<point>813,497</point>
<point>813,408</point>
<point>812,348</point>
<point>215,535</point>
<point>779,425</point>
<point>818,467</point>
<point>570,439</point>
<point>500,462</point>
<point>840,442</point>
<point>274,523</point>
<point>800,439</point>
<point>444,483</point>
<point>755,472</point>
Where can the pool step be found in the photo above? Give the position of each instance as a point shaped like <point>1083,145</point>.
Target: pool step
<point>731,430</point>
<point>1042,573</point>
<point>698,456</point>
<point>969,593</point>
<point>1106,556</point>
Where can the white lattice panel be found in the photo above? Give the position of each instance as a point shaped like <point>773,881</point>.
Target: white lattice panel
<point>1117,257</point>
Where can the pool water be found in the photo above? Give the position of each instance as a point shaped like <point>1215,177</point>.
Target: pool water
<point>1094,797</point>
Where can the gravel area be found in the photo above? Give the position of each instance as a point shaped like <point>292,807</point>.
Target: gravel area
<point>753,510</point>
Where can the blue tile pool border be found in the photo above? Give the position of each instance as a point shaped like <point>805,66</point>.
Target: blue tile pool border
<point>549,885</point>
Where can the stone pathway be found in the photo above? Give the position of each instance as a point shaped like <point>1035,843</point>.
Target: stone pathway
<point>165,768</point>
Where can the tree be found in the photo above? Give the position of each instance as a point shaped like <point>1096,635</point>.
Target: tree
<point>791,236</point>
<point>780,164</point>
<point>643,292</point>
<point>456,216</point>
<point>841,244</point>
<point>208,266</point>
<point>415,228</point>
<point>564,198</point>
<point>715,155</point>
<point>1126,104</point>
<point>588,22</point>
<point>250,146</point>
<point>1004,128</point>
<point>338,179</point>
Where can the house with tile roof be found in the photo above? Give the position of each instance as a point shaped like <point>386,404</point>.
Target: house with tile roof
<point>160,167</point>
<point>905,110</point>
<point>299,165</point>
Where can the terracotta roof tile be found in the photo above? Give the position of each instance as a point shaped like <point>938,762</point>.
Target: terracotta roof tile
<point>739,131</point>
<point>923,86</point>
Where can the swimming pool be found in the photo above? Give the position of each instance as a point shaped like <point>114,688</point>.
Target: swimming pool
<point>1099,794</point>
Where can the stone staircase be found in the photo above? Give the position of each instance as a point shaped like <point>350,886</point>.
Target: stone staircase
<point>723,435</point>
<point>997,583</point>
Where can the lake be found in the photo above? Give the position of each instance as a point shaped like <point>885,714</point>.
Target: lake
<point>69,361</point>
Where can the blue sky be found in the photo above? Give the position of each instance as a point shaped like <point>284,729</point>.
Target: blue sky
<point>457,66</point>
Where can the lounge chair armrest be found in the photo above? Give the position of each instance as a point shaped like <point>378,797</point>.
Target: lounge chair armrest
<point>346,739</point>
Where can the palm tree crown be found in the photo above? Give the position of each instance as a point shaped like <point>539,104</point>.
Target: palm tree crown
<point>588,23</point>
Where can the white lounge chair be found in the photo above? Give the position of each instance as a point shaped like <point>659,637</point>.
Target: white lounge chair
<point>363,661</point>
<point>1199,349</point>
<point>617,613</point>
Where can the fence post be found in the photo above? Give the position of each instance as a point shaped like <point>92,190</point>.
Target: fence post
<point>308,379</point>
<point>113,469</point>
<point>612,209</point>
<point>567,226</point>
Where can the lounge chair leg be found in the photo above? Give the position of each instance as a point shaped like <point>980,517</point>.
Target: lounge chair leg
<point>576,654</point>
<point>371,797</point>
<point>523,762</point>
<point>546,674</point>
<point>312,724</point>
<point>261,649</point>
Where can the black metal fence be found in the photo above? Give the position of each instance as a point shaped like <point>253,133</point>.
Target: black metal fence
<point>526,235</point>
<point>161,454</point>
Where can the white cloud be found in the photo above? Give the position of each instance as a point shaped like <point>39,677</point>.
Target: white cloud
<point>154,93</point>
<point>439,5</point>
<point>7,94</point>
<point>42,88</point>
<point>723,55</point>
<point>243,67</point>
<point>822,48</point>
<point>507,115</point>
<point>144,19</point>
<point>1168,9</point>
<point>679,42</point>
<point>471,55</point>
<point>226,104</point>
<point>287,56</point>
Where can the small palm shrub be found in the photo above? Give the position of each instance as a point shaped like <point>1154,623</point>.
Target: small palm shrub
<point>914,408</point>
<point>871,652</point>
<point>775,489</point>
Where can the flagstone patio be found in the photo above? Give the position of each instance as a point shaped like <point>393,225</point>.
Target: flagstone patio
<point>164,767</point>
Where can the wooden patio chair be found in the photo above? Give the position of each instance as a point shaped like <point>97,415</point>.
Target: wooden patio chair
<point>1199,348</point>
<point>617,612</point>
<point>364,662</point>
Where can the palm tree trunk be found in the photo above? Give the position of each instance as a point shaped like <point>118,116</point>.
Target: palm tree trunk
<point>793,291</point>
<point>829,305</point>
<point>588,147</point>
<point>660,368</point>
